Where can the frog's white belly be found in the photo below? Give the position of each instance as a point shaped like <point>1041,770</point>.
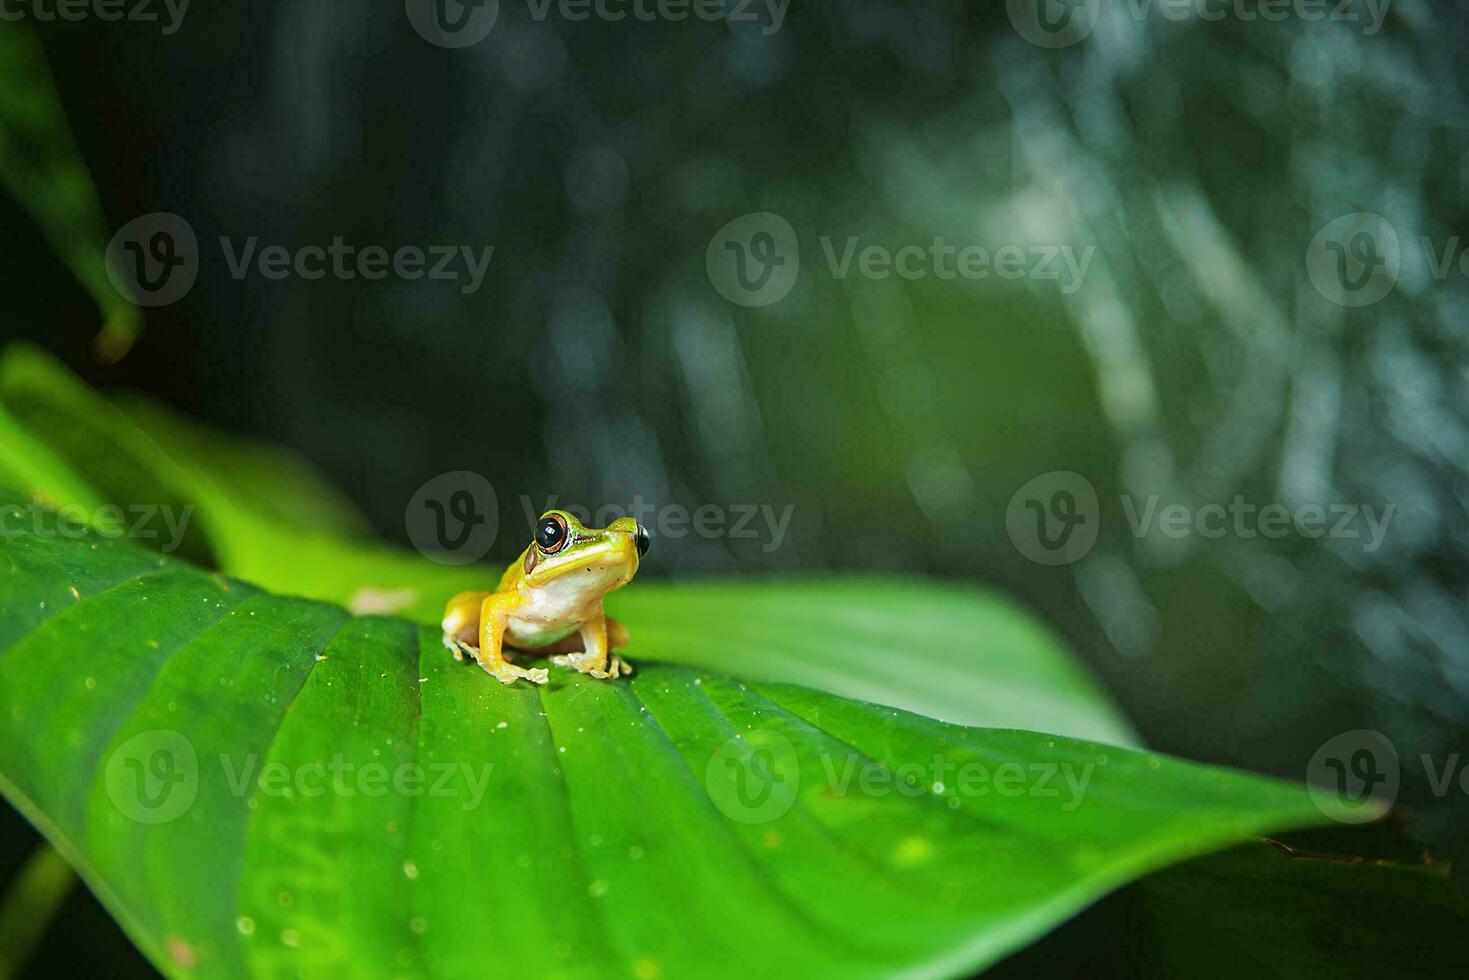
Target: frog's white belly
<point>550,612</point>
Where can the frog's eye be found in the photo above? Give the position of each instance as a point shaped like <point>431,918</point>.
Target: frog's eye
<point>551,534</point>
<point>641,538</point>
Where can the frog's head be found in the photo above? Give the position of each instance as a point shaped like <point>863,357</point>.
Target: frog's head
<point>591,561</point>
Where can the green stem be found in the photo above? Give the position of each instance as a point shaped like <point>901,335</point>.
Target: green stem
<point>30,903</point>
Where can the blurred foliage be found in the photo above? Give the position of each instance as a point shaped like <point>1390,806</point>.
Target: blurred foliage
<point>30,900</point>
<point>897,417</point>
<point>43,172</point>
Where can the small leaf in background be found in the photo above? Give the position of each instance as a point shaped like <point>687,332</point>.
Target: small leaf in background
<point>28,905</point>
<point>42,169</point>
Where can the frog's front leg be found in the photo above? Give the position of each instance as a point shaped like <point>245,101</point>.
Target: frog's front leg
<point>494,616</point>
<point>595,658</point>
<point>483,616</point>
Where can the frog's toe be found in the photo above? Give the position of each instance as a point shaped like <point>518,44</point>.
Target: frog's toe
<point>562,660</point>
<point>507,673</point>
<point>618,667</point>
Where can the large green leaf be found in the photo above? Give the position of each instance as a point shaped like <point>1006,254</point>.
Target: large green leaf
<point>183,738</point>
<point>958,653</point>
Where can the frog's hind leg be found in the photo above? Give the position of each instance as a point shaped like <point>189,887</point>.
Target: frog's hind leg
<point>461,622</point>
<point>616,637</point>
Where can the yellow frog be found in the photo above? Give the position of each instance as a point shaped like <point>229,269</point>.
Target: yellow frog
<point>550,601</point>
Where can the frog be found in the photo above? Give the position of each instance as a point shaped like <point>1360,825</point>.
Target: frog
<point>550,602</point>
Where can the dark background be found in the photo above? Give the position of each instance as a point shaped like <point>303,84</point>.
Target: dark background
<point>897,417</point>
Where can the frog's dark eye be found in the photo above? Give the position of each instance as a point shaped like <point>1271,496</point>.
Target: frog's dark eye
<point>641,538</point>
<point>551,534</point>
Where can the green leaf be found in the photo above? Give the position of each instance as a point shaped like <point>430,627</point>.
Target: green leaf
<point>1267,910</point>
<point>184,739</point>
<point>282,488</point>
<point>42,169</point>
<point>28,464</point>
<point>958,653</point>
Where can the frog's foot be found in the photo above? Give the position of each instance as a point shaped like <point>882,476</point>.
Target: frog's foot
<point>499,668</point>
<point>456,647</point>
<point>507,673</point>
<point>593,665</point>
